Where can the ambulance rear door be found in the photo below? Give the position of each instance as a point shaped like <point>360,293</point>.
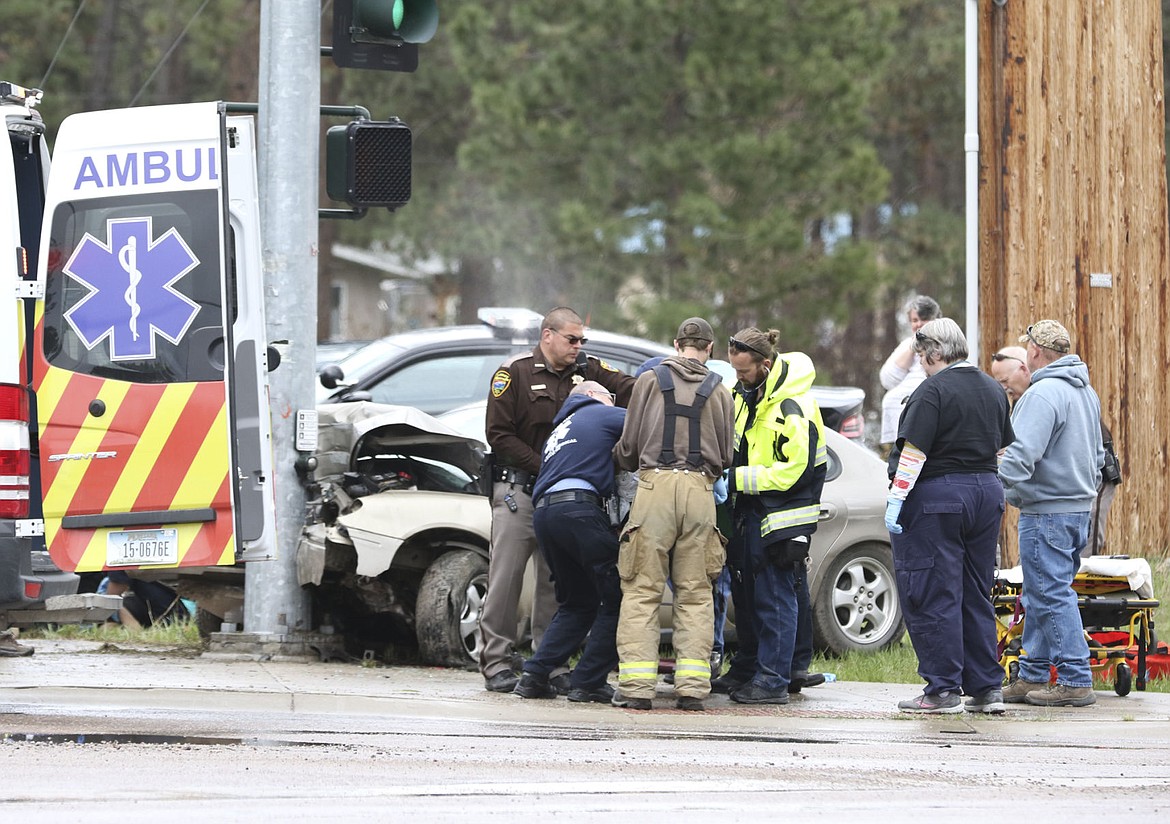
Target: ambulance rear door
<point>148,345</point>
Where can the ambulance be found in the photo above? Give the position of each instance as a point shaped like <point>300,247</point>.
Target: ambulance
<point>134,424</point>
<point>27,577</point>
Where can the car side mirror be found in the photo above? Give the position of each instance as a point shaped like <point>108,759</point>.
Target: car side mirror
<point>331,376</point>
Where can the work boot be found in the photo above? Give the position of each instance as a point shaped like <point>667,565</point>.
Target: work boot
<point>752,693</point>
<point>620,700</point>
<point>11,648</point>
<point>534,686</point>
<point>1061,695</point>
<point>804,678</point>
<point>726,684</point>
<point>502,681</point>
<point>561,683</point>
<point>690,703</point>
<point>1017,691</point>
<point>988,701</point>
<point>595,695</point>
<point>944,703</point>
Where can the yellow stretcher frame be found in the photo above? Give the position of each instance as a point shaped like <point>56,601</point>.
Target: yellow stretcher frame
<point>1107,605</point>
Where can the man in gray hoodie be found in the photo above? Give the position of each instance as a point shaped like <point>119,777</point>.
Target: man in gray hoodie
<point>1051,472</point>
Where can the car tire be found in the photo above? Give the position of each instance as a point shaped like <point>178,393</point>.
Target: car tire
<point>856,606</point>
<point>450,601</point>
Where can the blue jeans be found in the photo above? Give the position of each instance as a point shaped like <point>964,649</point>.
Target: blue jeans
<point>767,627</point>
<point>581,549</point>
<point>1054,636</point>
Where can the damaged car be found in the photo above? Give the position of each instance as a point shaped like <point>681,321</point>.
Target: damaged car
<point>397,547</point>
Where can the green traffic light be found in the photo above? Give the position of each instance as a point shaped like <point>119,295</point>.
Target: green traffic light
<point>411,21</point>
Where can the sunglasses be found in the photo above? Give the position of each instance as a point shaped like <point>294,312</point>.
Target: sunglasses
<point>923,338</point>
<point>999,356</point>
<point>574,340</point>
<point>740,346</point>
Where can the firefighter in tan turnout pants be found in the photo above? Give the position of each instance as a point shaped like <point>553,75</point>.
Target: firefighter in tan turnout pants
<point>678,437</point>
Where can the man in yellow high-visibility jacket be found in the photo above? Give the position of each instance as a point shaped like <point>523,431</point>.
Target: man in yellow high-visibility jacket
<point>776,482</point>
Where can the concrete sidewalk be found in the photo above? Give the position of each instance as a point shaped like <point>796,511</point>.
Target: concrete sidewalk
<point>92,677</point>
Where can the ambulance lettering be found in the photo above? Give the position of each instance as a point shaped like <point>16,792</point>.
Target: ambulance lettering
<point>149,168</point>
<point>131,288</point>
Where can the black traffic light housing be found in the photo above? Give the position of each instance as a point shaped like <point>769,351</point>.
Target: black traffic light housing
<point>368,163</point>
<point>382,34</point>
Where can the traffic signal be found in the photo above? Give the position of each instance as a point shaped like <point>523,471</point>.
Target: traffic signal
<point>382,34</point>
<point>367,163</point>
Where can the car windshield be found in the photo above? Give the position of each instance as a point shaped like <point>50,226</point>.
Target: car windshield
<point>365,360</point>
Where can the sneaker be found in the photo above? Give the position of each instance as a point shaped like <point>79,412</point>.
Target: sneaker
<point>989,701</point>
<point>1017,691</point>
<point>1061,695</point>
<point>690,703</point>
<point>726,684</point>
<point>11,648</point>
<point>940,703</point>
<point>804,678</point>
<point>503,681</point>
<point>620,700</point>
<point>534,686</point>
<point>561,683</point>
<point>752,693</point>
<point>596,695</point>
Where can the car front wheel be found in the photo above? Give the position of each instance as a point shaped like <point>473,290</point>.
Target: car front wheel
<point>450,600</point>
<point>856,606</point>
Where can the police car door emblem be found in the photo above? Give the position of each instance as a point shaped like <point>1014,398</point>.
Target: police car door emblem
<point>132,296</point>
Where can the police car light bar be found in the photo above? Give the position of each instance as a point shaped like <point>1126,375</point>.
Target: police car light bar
<point>505,319</point>
<point>12,93</point>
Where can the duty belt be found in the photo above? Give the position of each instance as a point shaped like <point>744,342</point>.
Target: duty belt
<point>511,475</point>
<point>578,496</point>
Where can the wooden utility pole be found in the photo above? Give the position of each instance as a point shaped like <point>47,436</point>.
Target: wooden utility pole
<point>1073,219</point>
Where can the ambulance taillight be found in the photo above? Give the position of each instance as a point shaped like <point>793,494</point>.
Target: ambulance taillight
<point>14,456</point>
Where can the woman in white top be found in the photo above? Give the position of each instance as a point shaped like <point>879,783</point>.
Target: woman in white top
<point>902,372</point>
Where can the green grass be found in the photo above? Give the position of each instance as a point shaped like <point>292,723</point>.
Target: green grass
<point>182,637</point>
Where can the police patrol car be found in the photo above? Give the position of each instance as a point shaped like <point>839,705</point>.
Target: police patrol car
<point>134,428</point>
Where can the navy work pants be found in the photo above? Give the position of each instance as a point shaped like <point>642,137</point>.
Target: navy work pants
<point>581,550</point>
<point>944,561</point>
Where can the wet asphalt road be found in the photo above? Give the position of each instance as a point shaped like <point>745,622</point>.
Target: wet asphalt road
<point>130,736</point>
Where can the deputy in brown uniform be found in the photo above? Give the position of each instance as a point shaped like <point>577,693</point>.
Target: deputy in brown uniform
<point>526,393</point>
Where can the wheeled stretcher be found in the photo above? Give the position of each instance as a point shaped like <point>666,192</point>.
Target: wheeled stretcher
<point>1115,596</point>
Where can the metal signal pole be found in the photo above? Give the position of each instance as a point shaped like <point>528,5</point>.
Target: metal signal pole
<point>289,124</point>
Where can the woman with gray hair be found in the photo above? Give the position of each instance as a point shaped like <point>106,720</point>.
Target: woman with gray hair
<point>944,509</point>
<point>902,371</point>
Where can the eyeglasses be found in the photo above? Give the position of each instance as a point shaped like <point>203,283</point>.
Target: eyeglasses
<point>1000,356</point>
<point>595,393</point>
<point>574,340</point>
<point>740,346</point>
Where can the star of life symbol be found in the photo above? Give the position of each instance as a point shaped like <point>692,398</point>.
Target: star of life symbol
<point>131,288</point>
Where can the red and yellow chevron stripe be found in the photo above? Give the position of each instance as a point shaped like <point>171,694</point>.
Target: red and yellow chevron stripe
<point>157,447</point>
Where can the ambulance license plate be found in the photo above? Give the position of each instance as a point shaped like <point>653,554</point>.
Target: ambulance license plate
<point>142,546</point>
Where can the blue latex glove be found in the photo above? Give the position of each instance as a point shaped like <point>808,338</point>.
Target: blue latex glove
<point>721,488</point>
<point>893,510</point>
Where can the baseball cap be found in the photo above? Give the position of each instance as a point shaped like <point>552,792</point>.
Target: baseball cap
<point>695,329</point>
<point>1048,334</point>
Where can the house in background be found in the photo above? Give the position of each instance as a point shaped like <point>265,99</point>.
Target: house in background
<point>373,293</point>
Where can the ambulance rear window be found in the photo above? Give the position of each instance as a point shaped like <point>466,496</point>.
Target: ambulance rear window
<point>133,288</point>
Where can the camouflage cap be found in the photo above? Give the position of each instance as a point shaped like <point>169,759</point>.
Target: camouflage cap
<point>1048,334</point>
